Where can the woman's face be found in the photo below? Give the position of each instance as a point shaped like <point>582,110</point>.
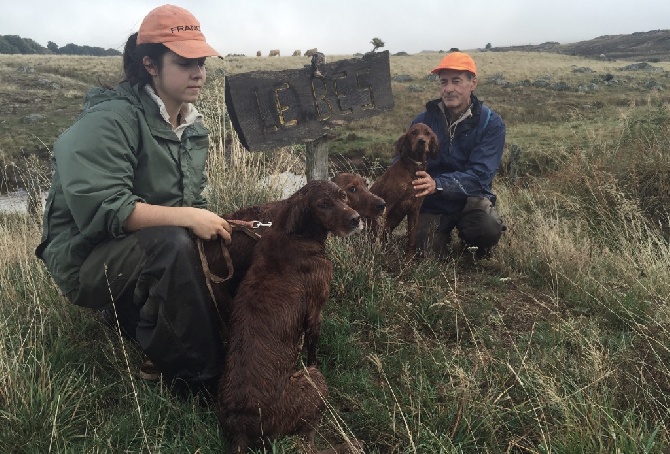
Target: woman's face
<point>179,80</point>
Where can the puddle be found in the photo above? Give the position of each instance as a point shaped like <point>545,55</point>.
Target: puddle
<point>287,181</point>
<point>16,201</point>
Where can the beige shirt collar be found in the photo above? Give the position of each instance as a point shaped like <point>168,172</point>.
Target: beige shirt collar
<point>451,127</point>
<point>189,114</point>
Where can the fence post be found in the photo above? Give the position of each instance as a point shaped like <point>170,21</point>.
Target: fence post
<point>316,159</point>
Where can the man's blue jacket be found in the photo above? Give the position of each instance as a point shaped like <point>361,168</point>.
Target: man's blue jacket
<point>466,164</point>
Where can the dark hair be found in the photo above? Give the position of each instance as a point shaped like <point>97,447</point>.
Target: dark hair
<point>133,54</point>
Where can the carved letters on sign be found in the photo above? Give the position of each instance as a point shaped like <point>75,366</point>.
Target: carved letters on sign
<point>274,109</point>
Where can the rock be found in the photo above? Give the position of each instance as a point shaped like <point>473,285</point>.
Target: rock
<point>32,118</point>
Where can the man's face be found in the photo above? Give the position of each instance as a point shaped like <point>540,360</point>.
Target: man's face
<point>455,89</point>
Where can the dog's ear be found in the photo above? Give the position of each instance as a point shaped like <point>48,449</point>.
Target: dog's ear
<point>433,145</point>
<point>295,219</point>
<point>295,216</point>
<point>402,145</point>
<point>296,209</point>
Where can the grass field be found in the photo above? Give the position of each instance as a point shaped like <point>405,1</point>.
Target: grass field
<point>560,343</point>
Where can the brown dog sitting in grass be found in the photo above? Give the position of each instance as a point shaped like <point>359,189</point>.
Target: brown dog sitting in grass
<point>261,394</point>
<point>240,250</point>
<point>414,148</point>
<point>367,204</point>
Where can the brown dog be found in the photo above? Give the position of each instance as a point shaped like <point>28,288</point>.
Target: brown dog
<point>240,250</point>
<point>367,204</point>
<point>414,147</point>
<point>261,395</point>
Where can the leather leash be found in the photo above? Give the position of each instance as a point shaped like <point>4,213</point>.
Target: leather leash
<point>246,227</point>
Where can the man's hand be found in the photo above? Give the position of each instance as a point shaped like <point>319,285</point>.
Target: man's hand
<point>424,184</point>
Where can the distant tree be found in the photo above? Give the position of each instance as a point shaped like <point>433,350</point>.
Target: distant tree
<point>6,47</point>
<point>18,42</point>
<point>74,49</point>
<point>488,45</point>
<point>69,49</point>
<point>14,44</point>
<point>376,44</point>
<point>34,47</point>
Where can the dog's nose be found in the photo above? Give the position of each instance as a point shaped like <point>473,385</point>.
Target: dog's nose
<point>421,140</point>
<point>380,206</point>
<point>355,220</point>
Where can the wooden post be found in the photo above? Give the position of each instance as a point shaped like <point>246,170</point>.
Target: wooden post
<point>316,159</point>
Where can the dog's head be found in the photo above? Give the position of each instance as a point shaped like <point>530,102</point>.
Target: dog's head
<point>360,198</point>
<point>317,208</point>
<point>419,143</point>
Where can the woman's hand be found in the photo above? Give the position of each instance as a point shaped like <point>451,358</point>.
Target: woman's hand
<point>208,225</point>
<point>203,223</point>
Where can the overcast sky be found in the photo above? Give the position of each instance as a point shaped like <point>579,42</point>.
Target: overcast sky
<point>342,26</point>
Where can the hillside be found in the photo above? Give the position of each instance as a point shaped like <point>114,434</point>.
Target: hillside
<point>649,46</point>
<point>558,343</point>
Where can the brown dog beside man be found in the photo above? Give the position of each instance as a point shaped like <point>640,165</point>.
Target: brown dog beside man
<point>395,185</point>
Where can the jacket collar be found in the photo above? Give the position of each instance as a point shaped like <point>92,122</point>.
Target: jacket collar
<point>188,112</point>
<point>141,99</point>
<point>433,107</point>
<point>475,103</point>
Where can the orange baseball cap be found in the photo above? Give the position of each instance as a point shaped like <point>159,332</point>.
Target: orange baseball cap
<point>177,29</point>
<point>458,61</point>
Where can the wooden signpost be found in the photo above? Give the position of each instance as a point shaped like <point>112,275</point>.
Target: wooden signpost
<point>271,109</point>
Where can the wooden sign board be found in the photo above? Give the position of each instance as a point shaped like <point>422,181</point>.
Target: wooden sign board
<point>271,109</point>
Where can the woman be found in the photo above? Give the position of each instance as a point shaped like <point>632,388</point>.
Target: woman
<point>126,194</point>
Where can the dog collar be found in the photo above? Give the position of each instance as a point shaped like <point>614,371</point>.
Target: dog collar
<point>419,164</point>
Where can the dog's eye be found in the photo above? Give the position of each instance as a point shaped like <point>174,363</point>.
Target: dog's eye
<point>352,189</point>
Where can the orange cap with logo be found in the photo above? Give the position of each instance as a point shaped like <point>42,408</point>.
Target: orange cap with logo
<point>457,61</point>
<point>176,29</point>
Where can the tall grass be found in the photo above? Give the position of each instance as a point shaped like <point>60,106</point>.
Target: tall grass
<point>559,343</point>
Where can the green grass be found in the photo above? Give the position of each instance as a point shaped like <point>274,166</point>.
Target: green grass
<point>558,344</point>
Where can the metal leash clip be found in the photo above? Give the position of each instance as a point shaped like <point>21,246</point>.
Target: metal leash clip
<point>257,224</point>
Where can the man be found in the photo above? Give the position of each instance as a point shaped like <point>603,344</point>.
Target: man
<point>457,185</point>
